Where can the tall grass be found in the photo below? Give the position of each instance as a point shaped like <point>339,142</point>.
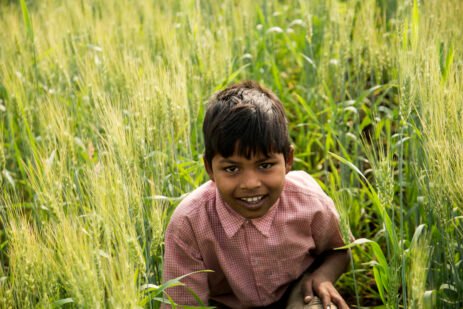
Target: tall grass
<point>101,104</point>
<point>432,81</point>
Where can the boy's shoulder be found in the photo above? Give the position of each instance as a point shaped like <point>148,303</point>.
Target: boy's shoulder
<point>302,182</point>
<point>301,190</point>
<point>195,201</point>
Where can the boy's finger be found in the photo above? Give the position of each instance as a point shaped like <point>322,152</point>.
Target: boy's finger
<point>308,299</point>
<point>339,301</point>
<point>307,291</point>
<point>326,301</point>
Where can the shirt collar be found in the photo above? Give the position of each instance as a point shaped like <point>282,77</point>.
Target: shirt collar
<point>231,221</point>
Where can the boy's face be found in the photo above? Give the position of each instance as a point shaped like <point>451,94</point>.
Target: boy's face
<point>250,186</point>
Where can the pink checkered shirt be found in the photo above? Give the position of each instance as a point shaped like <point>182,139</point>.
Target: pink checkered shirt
<point>255,260</point>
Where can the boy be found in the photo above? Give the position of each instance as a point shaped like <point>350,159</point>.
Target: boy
<point>259,227</point>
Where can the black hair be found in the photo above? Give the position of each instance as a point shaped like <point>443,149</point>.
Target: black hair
<point>246,116</point>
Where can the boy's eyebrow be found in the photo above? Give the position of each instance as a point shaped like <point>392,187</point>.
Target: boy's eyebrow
<point>225,160</point>
<point>230,161</point>
<point>264,159</point>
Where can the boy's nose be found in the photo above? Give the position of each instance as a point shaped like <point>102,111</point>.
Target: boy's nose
<point>250,181</point>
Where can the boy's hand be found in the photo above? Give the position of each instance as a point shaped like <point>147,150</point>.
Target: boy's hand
<point>317,284</point>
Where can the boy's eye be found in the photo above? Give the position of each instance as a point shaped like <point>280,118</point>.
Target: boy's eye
<point>266,165</point>
<point>231,169</point>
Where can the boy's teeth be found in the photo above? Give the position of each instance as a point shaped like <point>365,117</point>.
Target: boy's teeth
<point>253,199</point>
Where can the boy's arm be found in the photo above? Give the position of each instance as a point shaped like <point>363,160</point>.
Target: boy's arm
<point>329,264</point>
<point>182,257</point>
<point>321,280</point>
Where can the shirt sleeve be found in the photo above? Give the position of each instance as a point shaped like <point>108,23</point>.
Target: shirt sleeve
<point>183,257</point>
<point>326,230</point>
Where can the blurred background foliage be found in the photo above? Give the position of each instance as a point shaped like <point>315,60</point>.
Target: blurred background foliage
<point>101,106</point>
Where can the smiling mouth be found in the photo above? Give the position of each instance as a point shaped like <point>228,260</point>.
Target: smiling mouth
<point>252,199</point>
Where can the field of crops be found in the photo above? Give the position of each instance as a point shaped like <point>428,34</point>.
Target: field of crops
<point>101,106</point>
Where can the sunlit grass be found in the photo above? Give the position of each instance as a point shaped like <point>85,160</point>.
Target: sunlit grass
<point>101,105</point>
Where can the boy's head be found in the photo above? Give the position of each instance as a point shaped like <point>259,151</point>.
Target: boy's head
<point>248,152</point>
<point>247,119</point>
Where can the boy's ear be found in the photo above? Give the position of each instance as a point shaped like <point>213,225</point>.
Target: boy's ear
<point>208,168</point>
<point>289,159</point>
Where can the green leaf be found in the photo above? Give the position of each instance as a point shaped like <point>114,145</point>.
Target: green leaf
<point>63,301</point>
<point>415,24</point>
<point>379,283</point>
<point>231,77</point>
<point>374,246</point>
<point>155,290</point>
<point>420,232</point>
<point>429,299</point>
<point>448,63</point>
<point>27,20</point>
<point>351,165</point>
